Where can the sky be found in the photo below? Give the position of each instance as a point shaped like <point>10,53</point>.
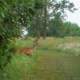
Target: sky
<point>74,17</point>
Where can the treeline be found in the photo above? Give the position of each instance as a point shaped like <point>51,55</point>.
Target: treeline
<point>67,29</point>
<point>71,29</point>
<point>57,30</point>
<point>51,21</point>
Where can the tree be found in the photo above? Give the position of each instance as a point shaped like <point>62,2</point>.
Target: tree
<point>58,13</point>
<point>37,21</point>
<point>45,22</point>
<point>14,15</point>
<point>56,26</point>
<point>71,29</point>
<point>55,11</point>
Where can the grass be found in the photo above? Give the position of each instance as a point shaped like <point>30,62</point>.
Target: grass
<point>59,66</point>
<point>49,61</point>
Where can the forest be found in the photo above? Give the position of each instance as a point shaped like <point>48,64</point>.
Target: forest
<point>42,19</point>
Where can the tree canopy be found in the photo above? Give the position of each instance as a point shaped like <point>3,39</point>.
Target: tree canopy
<point>50,19</point>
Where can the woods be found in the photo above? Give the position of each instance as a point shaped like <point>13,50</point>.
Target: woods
<point>51,19</point>
<point>40,18</point>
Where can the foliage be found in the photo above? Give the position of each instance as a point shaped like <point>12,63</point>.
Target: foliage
<point>17,14</point>
<point>56,26</point>
<point>51,22</point>
<point>14,15</point>
<point>7,48</point>
<point>71,29</point>
<point>51,63</point>
<point>20,64</point>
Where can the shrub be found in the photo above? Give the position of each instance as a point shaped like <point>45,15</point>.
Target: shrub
<point>7,49</point>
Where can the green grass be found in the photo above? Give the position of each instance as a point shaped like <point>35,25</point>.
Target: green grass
<point>59,66</point>
<point>49,61</point>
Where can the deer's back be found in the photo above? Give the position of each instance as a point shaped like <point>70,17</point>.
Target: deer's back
<point>25,50</point>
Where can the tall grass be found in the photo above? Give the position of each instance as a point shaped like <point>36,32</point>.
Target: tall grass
<point>47,59</point>
<point>19,67</point>
<point>20,64</point>
<point>49,43</point>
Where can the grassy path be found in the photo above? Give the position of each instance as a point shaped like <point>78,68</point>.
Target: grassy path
<point>55,66</point>
<point>50,65</point>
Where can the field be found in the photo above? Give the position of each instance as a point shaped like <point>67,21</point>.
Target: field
<point>54,59</point>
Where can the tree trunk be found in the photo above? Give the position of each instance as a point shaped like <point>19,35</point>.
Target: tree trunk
<point>38,33</point>
<point>45,23</point>
<point>37,26</point>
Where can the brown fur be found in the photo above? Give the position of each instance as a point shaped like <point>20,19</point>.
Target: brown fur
<point>28,50</point>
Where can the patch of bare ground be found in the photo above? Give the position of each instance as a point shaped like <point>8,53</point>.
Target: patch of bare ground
<point>75,46</point>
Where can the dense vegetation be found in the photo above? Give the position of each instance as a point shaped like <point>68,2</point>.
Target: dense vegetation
<point>55,59</point>
<point>41,18</point>
<point>14,16</point>
<point>67,29</point>
<point>35,16</point>
<point>51,20</point>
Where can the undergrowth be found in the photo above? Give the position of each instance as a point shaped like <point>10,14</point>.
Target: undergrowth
<point>49,58</point>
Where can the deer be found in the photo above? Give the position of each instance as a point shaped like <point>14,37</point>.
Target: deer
<point>28,50</point>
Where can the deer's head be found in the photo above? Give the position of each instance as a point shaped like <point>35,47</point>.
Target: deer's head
<point>36,42</point>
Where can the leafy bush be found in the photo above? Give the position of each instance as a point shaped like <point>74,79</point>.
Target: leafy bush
<point>13,16</point>
<point>7,49</point>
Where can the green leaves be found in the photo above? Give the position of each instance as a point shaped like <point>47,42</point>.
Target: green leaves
<point>2,12</point>
<point>14,15</point>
